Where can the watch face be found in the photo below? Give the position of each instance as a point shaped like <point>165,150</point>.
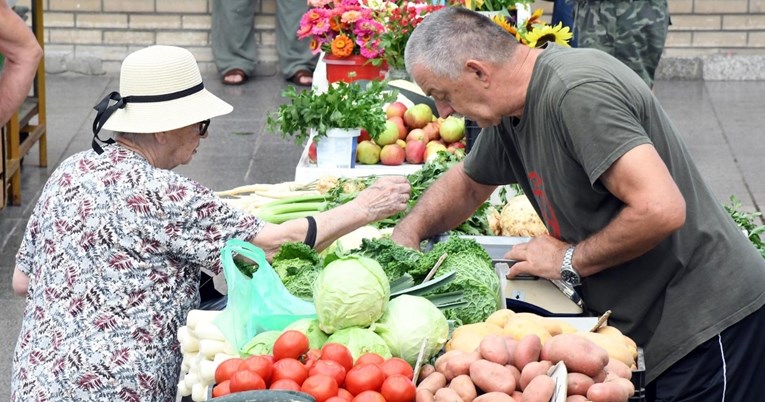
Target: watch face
<point>570,277</point>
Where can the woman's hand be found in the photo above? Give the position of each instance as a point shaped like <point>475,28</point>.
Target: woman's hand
<point>388,196</point>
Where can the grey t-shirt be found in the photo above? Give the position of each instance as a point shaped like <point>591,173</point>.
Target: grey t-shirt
<point>584,110</point>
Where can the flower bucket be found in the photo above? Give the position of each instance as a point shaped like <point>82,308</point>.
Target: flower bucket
<point>338,149</point>
<point>338,68</point>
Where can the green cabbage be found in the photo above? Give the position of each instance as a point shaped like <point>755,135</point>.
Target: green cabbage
<point>406,322</point>
<point>360,341</point>
<point>310,327</point>
<point>351,291</point>
<point>261,344</point>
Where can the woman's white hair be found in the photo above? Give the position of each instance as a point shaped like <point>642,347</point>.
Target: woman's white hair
<point>447,38</point>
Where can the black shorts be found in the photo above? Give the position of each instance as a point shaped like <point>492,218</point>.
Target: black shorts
<point>730,367</point>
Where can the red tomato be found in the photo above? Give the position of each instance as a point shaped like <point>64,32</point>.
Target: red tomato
<point>366,377</point>
<point>398,388</point>
<point>320,386</point>
<point>226,369</point>
<point>338,353</point>
<point>343,393</point>
<point>259,365</point>
<point>337,399</point>
<point>329,368</point>
<point>245,380</point>
<point>221,389</point>
<point>286,385</point>
<point>397,365</point>
<point>289,369</point>
<point>290,344</point>
<point>369,396</point>
<point>310,358</point>
<point>370,358</point>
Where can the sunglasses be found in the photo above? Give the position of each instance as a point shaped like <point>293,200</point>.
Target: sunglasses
<point>203,125</point>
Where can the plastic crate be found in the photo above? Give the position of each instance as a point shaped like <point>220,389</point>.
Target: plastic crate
<point>638,379</point>
<point>262,396</point>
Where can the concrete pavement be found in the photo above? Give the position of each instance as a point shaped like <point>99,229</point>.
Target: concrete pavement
<point>721,121</point>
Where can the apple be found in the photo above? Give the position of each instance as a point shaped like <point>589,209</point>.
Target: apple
<point>431,131</point>
<point>312,152</point>
<point>364,136</point>
<point>431,151</point>
<point>417,134</point>
<point>401,143</point>
<point>395,109</point>
<point>389,134</point>
<point>415,152</point>
<point>455,146</point>
<point>402,131</point>
<point>435,143</point>
<point>367,152</point>
<point>392,155</point>
<point>418,116</point>
<point>452,129</point>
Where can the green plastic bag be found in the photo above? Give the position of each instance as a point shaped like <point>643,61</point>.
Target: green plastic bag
<point>256,304</point>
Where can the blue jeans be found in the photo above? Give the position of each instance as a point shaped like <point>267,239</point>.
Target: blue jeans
<point>563,12</point>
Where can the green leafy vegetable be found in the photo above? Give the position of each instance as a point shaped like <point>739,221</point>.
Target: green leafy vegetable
<point>261,344</point>
<point>749,222</point>
<point>310,327</point>
<point>360,341</point>
<point>298,266</point>
<point>396,260</point>
<point>407,321</point>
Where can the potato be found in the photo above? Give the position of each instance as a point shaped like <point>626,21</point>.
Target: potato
<point>510,344</point>
<point>527,351</point>
<point>619,368</point>
<point>460,364</point>
<point>577,353</point>
<point>494,397</point>
<point>518,327</point>
<point>444,358</point>
<point>608,392</point>
<point>552,326</point>
<point>614,347</point>
<point>627,384</point>
<point>490,377</point>
<point>533,370</point>
<point>424,395</point>
<point>433,382</point>
<point>479,328</point>
<point>540,389</point>
<point>465,342</point>
<point>576,398</point>
<point>566,328</point>
<point>618,335</point>
<point>518,395</point>
<point>493,349</point>
<point>464,387</point>
<point>500,317</point>
<point>516,375</point>
<point>425,371</point>
<point>578,384</point>
<point>447,395</point>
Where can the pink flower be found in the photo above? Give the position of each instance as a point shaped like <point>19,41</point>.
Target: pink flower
<point>349,17</point>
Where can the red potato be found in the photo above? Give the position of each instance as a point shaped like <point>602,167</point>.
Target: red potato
<point>576,398</point>
<point>494,397</point>
<point>601,377</point>
<point>540,389</point>
<point>527,351</point>
<point>516,375</point>
<point>619,368</point>
<point>424,395</point>
<point>578,384</point>
<point>493,349</point>
<point>612,391</point>
<point>425,371</point>
<point>433,382</point>
<point>579,354</point>
<point>447,395</point>
<point>533,370</point>
<point>460,364</point>
<point>464,387</point>
<point>444,359</point>
<point>518,395</point>
<point>491,377</point>
<point>510,344</point>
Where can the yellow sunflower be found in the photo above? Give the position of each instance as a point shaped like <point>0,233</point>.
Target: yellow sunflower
<point>542,34</point>
<point>509,28</point>
<point>534,19</point>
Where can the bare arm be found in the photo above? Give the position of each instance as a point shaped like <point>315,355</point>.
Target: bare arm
<point>22,55</point>
<point>451,200</point>
<point>20,282</point>
<point>386,197</point>
<point>654,209</point>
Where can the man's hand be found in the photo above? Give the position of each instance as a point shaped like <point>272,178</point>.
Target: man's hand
<point>542,256</point>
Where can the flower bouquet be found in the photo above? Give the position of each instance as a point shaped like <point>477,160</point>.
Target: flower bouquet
<point>343,28</point>
<point>534,32</point>
<point>402,18</point>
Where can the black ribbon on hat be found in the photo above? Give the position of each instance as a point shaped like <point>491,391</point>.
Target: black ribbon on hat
<point>105,110</point>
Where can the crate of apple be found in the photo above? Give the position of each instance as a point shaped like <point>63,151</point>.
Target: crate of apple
<point>412,135</point>
<point>327,375</point>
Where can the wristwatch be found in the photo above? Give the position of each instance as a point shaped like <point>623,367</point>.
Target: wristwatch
<point>567,271</point>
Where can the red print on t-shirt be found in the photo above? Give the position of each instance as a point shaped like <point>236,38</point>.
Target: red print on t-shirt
<point>548,214</point>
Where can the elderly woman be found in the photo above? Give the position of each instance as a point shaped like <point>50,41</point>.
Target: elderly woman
<point>111,259</point>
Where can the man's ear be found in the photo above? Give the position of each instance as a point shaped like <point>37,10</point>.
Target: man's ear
<point>478,70</point>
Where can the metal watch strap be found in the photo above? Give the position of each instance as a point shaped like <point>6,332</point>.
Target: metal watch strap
<point>567,271</point>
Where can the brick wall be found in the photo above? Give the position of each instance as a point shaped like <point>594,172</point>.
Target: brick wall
<point>93,36</point>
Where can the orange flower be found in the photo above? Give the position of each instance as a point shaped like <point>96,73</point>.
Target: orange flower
<point>335,24</point>
<point>342,46</point>
<point>314,44</point>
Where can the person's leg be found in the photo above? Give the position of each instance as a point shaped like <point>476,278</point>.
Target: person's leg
<point>594,24</point>
<point>727,367</point>
<point>641,31</point>
<point>232,36</point>
<point>294,55</point>
<point>563,12</point>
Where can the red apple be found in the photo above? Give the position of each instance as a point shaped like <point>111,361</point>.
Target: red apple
<point>367,153</point>
<point>392,155</point>
<point>455,146</point>
<point>396,109</point>
<point>401,126</point>
<point>389,134</point>
<point>312,152</point>
<point>431,151</point>
<point>364,136</point>
<point>417,134</point>
<point>418,116</point>
<point>415,152</point>
<point>452,129</point>
<point>431,131</point>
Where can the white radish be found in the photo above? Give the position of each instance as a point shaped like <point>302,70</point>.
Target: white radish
<point>199,393</point>
<point>208,330</point>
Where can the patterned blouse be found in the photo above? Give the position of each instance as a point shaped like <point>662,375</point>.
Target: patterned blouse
<point>113,252</point>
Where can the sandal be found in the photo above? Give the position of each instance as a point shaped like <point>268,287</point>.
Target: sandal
<point>235,76</point>
<point>304,78</point>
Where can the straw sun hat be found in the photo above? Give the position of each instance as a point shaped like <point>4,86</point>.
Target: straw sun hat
<point>161,89</point>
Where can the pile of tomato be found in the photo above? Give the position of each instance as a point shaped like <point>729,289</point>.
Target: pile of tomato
<point>329,374</point>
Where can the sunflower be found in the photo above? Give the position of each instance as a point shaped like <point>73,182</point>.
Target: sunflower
<point>503,22</point>
<point>342,46</point>
<point>534,19</point>
<point>542,34</point>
